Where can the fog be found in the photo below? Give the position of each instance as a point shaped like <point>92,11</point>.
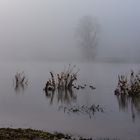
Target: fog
<point>42,30</point>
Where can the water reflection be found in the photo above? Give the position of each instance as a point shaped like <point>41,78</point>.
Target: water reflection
<point>126,102</point>
<point>63,96</point>
<point>128,93</point>
<point>19,88</point>
<point>65,99</point>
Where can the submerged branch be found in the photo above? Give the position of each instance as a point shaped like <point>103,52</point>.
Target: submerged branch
<point>84,109</point>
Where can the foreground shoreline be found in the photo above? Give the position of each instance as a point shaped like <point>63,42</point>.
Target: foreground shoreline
<point>32,134</point>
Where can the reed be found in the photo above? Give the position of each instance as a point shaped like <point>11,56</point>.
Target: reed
<point>128,85</point>
<point>20,79</point>
<point>63,80</point>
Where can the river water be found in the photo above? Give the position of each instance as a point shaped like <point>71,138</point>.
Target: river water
<point>30,107</point>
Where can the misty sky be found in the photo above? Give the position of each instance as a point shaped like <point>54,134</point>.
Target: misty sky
<point>45,29</point>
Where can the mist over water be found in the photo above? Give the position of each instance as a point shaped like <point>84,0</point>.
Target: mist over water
<point>45,30</point>
<point>44,44</point>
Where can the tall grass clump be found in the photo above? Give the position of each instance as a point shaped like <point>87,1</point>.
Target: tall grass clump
<point>128,85</point>
<point>63,80</point>
<point>20,81</point>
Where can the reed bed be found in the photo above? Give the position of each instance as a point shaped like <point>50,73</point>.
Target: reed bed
<point>128,85</point>
<point>63,80</point>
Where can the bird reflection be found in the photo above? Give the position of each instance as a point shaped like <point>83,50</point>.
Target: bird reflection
<point>63,96</point>
<point>126,102</point>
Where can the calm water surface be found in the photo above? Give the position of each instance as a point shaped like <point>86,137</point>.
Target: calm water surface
<point>30,107</point>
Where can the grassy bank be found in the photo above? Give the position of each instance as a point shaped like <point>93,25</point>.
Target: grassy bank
<point>30,134</point>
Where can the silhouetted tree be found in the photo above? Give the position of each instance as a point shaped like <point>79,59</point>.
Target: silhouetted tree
<point>87,30</point>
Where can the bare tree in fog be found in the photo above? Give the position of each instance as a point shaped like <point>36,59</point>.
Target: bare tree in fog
<point>87,30</point>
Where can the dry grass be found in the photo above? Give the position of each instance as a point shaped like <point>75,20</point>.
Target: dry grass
<point>20,78</point>
<point>63,80</point>
<point>128,85</point>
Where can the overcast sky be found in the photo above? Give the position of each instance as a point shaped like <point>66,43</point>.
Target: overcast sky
<point>45,29</point>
